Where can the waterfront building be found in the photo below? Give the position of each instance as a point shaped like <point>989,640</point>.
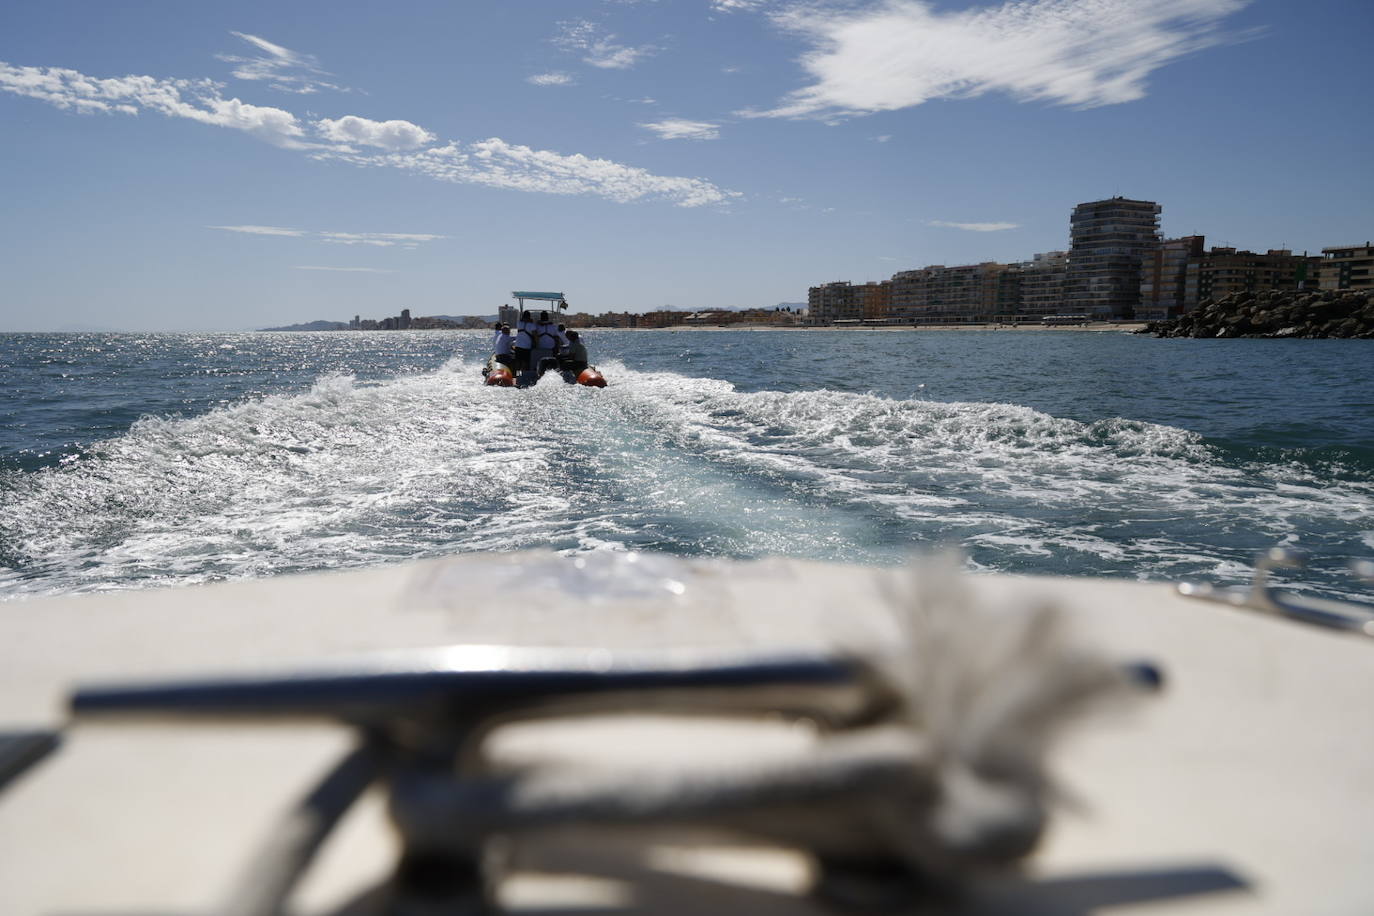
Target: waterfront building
<point>846,302</point>
<point>875,301</point>
<point>1007,293</point>
<point>909,296</point>
<point>1164,278</point>
<point>1109,241</point>
<point>1042,284</point>
<point>1224,271</point>
<point>1348,267</point>
<point>663,318</point>
<point>967,293</point>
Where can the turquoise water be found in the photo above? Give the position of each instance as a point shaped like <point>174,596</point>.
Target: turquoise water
<point>132,460</point>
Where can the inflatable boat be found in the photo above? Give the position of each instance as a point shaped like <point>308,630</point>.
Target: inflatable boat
<point>502,376</point>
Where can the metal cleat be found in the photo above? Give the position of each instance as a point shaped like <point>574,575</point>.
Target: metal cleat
<point>1260,595</point>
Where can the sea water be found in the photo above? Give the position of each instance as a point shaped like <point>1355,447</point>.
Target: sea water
<point>135,460</point>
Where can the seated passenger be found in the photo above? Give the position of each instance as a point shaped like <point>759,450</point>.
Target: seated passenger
<point>545,337</point>
<point>524,342</point>
<point>504,347</point>
<point>574,358</point>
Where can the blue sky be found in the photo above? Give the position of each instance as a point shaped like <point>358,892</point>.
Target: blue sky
<point>170,165</point>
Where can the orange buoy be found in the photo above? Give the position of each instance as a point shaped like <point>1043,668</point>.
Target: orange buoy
<point>591,378</point>
<point>501,376</point>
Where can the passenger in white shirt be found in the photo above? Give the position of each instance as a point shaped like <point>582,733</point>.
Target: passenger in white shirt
<point>524,341</point>
<point>545,340</point>
<point>504,347</point>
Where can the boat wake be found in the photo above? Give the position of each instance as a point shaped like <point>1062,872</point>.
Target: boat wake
<point>354,474</point>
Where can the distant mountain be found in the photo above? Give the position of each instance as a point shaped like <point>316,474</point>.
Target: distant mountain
<point>312,326</point>
<point>794,306</point>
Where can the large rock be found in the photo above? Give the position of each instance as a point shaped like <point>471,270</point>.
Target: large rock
<point>1276,313</point>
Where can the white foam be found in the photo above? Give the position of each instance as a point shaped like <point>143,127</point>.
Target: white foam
<point>350,474</point>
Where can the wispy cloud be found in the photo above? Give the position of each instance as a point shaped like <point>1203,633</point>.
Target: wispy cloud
<point>974,227</point>
<point>492,162</point>
<point>281,68</point>
<point>389,135</point>
<point>599,48</point>
<point>550,79</point>
<point>196,99</point>
<point>377,239</point>
<point>678,129</point>
<point>496,163</point>
<point>355,270</point>
<point>738,6</point>
<point>900,53</point>
<point>882,138</point>
<point>262,230</point>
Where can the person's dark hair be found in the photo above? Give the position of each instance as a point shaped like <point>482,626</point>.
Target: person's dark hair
<point>562,327</point>
<point>543,316</point>
<point>525,315</point>
<point>573,335</point>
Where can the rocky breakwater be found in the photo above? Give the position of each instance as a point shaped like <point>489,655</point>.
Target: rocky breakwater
<point>1286,313</point>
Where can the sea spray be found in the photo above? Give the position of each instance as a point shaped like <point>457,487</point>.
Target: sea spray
<point>353,469</point>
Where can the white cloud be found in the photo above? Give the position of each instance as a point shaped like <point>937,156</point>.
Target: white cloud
<point>600,49</point>
<point>737,6</point>
<point>496,163</point>
<point>389,135</point>
<point>198,100</point>
<point>975,227</point>
<point>491,162</point>
<point>882,138</point>
<point>678,129</point>
<point>550,79</point>
<point>262,230</point>
<point>901,53</point>
<point>359,270</point>
<point>281,68</point>
<point>379,239</point>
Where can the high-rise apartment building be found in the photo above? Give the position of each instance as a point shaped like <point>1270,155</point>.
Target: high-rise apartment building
<point>1223,271</point>
<point>1348,267</point>
<point>875,300</point>
<point>1109,241</point>
<point>1042,283</point>
<point>966,293</point>
<point>845,301</point>
<point>1164,278</point>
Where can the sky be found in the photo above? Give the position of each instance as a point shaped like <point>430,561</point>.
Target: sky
<point>195,166</point>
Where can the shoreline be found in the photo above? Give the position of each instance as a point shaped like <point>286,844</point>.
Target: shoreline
<point>1124,327</point>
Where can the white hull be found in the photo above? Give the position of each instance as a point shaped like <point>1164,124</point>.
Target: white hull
<point>1244,787</point>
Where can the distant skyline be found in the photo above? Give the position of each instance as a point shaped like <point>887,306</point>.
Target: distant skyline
<point>203,167</point>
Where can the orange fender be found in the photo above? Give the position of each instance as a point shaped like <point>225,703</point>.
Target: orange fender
<point>591,378</point>
<point>501,376</point>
